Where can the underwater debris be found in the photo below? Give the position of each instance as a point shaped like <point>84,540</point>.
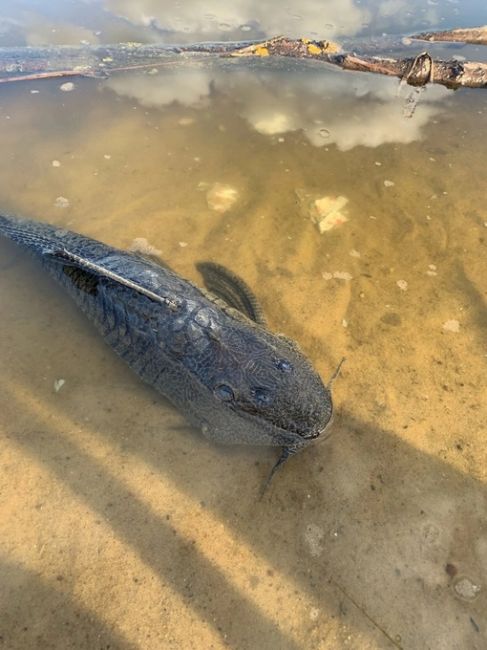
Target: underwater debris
<point>61,202</point>
<point>58,384</point>
<point>221,197</point>
<point>466,588</point>
<point>325,211</point>
<point>451,325</point>
<point>142,246</point>
<point>337,275</point>
<point>313,537</point>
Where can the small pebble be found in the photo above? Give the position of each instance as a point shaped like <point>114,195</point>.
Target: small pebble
<point>342,275</point>
<point>314,613</point>
<point>379,164</point>
<point>67,87</point>
<point>451,569</point>
<point>107,156</point>
<point>34,92</point>
<point>467,589</point>
<point>56,163</point>
<point>354,253</point>
<point>183,244</point>
<point>58,384</point>
<point>338,275</point>
<point>388,183</point>
<point>402,284</point>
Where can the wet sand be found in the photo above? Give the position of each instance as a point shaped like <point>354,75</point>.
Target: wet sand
<point>122,527</point>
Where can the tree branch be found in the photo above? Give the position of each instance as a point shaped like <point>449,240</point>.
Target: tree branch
<point>416,71</point>
<point>475,36</point>
<point>38,63</point>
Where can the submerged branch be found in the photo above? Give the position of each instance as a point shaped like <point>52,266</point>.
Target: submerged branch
<point>29,63</point>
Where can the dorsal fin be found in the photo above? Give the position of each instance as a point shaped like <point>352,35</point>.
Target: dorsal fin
<point>67,258</point>
<point>230,288</point>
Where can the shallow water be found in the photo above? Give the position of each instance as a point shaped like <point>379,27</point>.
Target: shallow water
<point>122,527</point>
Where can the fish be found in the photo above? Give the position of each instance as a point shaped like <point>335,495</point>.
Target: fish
<point>207,349</point>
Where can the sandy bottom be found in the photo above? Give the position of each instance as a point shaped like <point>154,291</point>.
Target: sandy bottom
<point>123,528</point>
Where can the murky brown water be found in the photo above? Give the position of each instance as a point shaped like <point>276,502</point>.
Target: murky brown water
<point>123,528</point>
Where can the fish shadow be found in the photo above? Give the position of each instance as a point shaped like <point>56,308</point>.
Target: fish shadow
<point>364,525</point>
<point>40,613</point>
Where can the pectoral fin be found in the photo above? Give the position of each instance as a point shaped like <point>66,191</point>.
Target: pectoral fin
<point>230,288</point>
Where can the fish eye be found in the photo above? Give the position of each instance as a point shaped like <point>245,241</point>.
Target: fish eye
<point>284,365</point>
<point>262,396</point>
<point>224,392</point>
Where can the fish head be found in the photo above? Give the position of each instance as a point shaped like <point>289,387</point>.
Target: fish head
<point>265,391</point>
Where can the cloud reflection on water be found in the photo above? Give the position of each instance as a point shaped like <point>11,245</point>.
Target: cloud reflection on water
<point>327,107</point>
<point>171,22</point>
<point>295,18</point>
<point>217,20</point>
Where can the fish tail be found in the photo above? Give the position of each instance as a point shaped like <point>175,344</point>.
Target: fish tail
<point>32,235</point>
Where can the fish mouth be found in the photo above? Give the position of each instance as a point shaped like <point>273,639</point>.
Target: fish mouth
<point>288,435</point>
<point>311,435</point>
<point>319,431</point>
